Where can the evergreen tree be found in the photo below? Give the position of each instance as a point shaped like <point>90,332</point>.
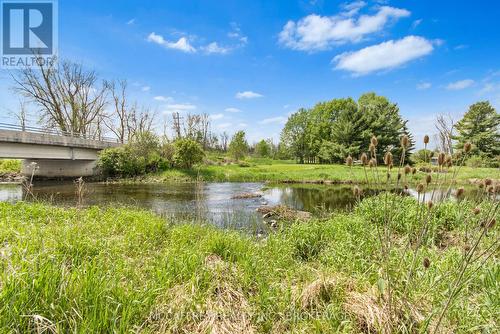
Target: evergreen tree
<point>238,147</point>
<point>480,126</point>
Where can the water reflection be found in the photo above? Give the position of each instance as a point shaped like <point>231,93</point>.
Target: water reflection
<point>202,202</point>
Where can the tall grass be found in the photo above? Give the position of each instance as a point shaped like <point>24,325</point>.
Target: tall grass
<point>103,270</point>
<point>397,307</point>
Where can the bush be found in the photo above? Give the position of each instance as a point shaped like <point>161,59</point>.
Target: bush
<point>10,166</point>
<point>121,161</point>
<point>422,155</point>
<point>187,153</point>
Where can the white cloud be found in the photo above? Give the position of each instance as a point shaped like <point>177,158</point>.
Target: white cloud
<point>235,33</point>
<point>461,84</point>
<point>416,23</point>
<point>461,47</point>
<point>315,32</point>
<point>216,116</point>
<point>146,88</point>
<point>182,44</point>
<point>215,48</point>
<point>231,109</point>
<point>224,125</point>
<point>179,107</point>
<point>424,85</point>
<point>248,95</point>
<point>383,56</point>
<point>274,120</point>
<point>353,7</point>
<point>131,21</point>
<point>242,125</point>
<point>162,98</point>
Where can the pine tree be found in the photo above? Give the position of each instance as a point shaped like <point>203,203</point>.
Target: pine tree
<point>480,126</point>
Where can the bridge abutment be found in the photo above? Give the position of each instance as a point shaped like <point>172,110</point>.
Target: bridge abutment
<point>59,168</point>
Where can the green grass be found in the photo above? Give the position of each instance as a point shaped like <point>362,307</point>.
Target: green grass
<point>281,172</point>
<point>104,270</point>
<point>10,166</point>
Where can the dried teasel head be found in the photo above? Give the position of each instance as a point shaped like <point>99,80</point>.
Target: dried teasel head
<point>428,178</point>
<point>372,149</point>
<point>426,139</point>
<point>388,158</point>
<point>405,141</point>
<point>449,160</point>
<point>364,159</point>
<point>407,169</point>
<point>476,211</point>
<point>488,182</point>
<point>420,188</point>
<point>374,141</point>
<point>426,263</point>
<point>414,171</point>
<point>430,204</point>
<point>467,147</point>
<point>399,176</point>
<point>441,159</point>
<point>372,163</point>
<point>460,192</point>
<point>348,161</point>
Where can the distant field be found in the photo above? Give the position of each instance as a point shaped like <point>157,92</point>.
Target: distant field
<point>281,172</point>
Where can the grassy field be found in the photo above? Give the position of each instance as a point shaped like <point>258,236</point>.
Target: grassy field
<point>10,166</point>
<point>114,270</point>
<point>276,171</point>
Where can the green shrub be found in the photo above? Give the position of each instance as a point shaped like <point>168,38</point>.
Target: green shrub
<point>10,166</point>
<point>187,153</point>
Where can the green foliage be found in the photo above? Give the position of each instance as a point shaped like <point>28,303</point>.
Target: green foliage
<point>480,126</point>
<point>142,155</point>
<point>422,155</point>
<point>187,153</point>
<point>238,148</point>
<point>263,149</point>
<point>10,166</point>
<point>342,126</point>
<point>129,269</point>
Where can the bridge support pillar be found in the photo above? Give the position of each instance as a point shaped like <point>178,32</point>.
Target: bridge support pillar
<point>59,168</point>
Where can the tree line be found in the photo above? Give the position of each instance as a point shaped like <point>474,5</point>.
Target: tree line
<point>333,130</point>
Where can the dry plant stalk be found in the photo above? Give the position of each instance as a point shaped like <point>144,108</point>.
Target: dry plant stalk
<point>385,315</point>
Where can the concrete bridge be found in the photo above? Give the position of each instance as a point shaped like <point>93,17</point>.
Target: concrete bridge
<point>56,154</point>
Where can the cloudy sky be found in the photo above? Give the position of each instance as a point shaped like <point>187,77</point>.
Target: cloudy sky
<point>249,64</point>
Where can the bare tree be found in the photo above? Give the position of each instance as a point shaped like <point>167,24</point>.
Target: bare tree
<point>118,121</point>
<point>68,96</point>
<point>21,114</point>
<point>224,140</point>
<point>140,120</point>
<point>444,125</point>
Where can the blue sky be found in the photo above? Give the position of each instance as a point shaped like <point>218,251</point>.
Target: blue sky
<point>250,64</point>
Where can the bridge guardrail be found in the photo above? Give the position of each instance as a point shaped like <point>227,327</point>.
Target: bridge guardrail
<point>32,129</point>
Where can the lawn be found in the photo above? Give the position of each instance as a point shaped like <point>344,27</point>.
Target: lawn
<point>289,172</point>
<point>118,270</point>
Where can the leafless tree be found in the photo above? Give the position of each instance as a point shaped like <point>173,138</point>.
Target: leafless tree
<point>118,121</point>
<point>68,97</point>
<point>140,120</point>
<point>444,125</point>
<point>224,140</point>
<point>21,114</point>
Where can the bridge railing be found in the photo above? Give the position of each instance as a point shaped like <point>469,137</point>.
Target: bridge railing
<point>55,132</point>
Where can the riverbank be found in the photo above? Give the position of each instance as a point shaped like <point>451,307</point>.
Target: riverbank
<point>130,270</point>
<point>298,173</point>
